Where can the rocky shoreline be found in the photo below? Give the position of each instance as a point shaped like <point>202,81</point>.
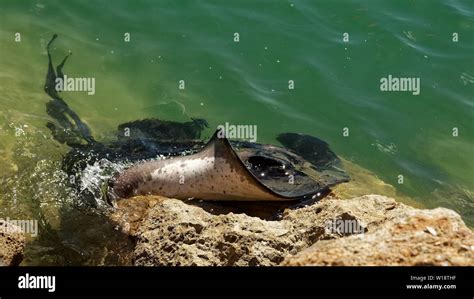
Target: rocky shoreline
<point>367,230</point>
<point>381,231</point>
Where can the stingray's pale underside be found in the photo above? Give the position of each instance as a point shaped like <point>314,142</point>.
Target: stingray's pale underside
<point>214,173</point>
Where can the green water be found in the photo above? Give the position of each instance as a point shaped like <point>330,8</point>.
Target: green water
<point>336,86</point>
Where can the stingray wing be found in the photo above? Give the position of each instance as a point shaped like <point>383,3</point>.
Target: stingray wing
<point>287,173</point>
<point>231,175</point>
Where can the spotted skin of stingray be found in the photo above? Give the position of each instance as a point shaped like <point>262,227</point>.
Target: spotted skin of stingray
<point>215,173</point>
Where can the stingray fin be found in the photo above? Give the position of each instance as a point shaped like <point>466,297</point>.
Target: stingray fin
<point>220,148</point>
<point>219,143</point>
<point>319,154</point>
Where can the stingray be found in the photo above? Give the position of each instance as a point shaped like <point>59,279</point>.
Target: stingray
<point>220,169</point>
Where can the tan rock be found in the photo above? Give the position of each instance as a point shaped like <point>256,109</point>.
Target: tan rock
<point>12,244</point>
<point>367,230</point>
<point>416,237</point>
<point>174,232</point>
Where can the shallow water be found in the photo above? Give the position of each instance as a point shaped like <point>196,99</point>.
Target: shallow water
<point>246,82</point>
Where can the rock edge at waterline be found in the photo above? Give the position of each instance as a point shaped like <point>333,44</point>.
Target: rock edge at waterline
<point>172,232</point>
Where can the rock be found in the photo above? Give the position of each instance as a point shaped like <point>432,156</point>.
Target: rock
<point>367,230</point>
<point>12,244</point>
<point>416,237</point>
<point>175,232</point>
